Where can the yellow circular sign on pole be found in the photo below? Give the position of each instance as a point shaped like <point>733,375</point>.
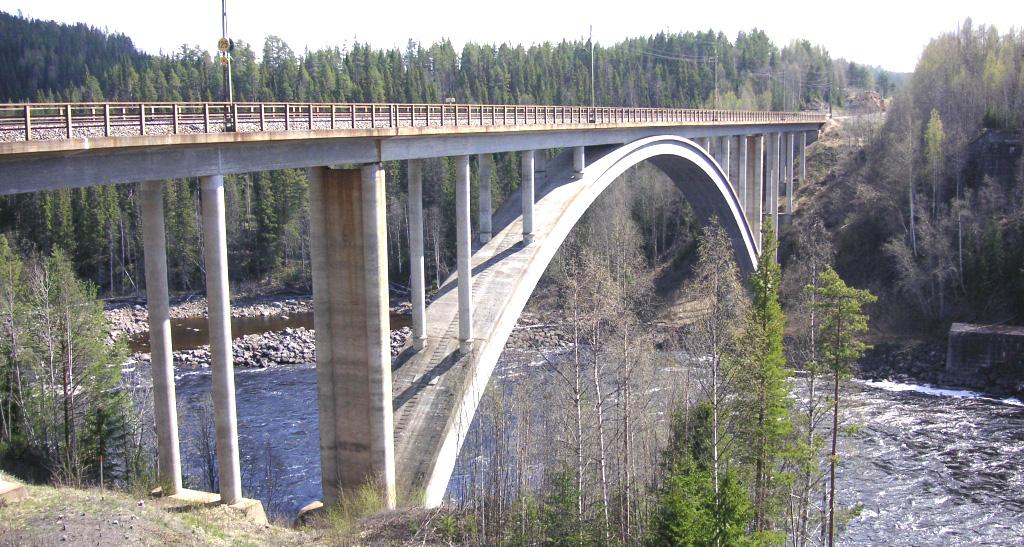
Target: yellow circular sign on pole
<point>223,44</point>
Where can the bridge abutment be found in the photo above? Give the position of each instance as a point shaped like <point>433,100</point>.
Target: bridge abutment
<point>165,408</point>
<point>215,253</point>
<point>350,304</point>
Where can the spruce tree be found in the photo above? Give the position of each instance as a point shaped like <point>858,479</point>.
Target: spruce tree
<point>765,400</point>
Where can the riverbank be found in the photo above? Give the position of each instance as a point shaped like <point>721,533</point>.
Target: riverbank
<point>924,362</point>
<point>279,341</point>
<point>287,347</point>
<point>129,318</point>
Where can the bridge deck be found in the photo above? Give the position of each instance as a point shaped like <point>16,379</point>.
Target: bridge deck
<point>35,128</point>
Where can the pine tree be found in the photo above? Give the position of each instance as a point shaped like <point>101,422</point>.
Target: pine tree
<point>843,325</point>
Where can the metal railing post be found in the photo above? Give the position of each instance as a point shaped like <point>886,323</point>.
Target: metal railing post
<point>142,118</point>
<point>67,114</point>
<point>106,120</point>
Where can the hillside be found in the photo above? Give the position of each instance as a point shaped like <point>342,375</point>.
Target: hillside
<point>925,205</point>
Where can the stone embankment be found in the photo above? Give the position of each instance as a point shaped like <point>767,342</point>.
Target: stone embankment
<point>925,363</point>
<point>287,347</point>
<point>531,334</point>
<point>129,319</point>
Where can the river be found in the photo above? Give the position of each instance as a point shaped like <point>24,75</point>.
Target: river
<point>929,467</point>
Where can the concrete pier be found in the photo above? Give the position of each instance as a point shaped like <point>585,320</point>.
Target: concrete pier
<point>464,254</point>
<point>742,158</point>
<point>165,409</point>
<point>755,185</point>
<point>416,276</point>
<point>803,159</point>
<point>789,172</point>
<point>527,195</point>
<point>215,253</point>
<point>726,160</point>
<point>350,315</point>
<point>578,159</point>
<point>484,166</point>
<point>772,183</point>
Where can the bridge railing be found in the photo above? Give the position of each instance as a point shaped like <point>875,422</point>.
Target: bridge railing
<point>56,121</point>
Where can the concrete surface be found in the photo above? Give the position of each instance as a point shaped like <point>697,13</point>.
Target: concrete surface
<point>436,391</point>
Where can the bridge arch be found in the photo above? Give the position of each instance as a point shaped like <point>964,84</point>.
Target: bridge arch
<point>560,206</point>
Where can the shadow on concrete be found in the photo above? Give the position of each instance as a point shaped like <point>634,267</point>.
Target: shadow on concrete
<point>479,268</point>
<point>444,366</point>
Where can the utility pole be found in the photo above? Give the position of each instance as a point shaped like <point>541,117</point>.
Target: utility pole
<point>593,103</point>
<point>716,77</point>
<point>224,45</point>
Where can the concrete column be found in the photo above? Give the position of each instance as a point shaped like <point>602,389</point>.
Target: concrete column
<point>484,162</point>
<point>726,165</point>
<point>464,254</point>
<point>705,143</point>
<point>416,279</point>
<point>215,252</point>
<point>772,180</point>
<point>348,238</point>
<point>741,175</point>
<point>527,195</point>
<point>165,408</point>
<point>803,159</point>
<point>755,185</point>
<point>578,159</point>
<point>789,172</point>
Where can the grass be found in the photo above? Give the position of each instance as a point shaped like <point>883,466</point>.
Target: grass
<point>91,516</point>
<point>56,515</point>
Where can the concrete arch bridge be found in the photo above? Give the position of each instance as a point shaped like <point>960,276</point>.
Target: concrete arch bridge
<point>398,425</point>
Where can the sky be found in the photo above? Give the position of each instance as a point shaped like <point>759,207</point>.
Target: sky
<point>890,34</point>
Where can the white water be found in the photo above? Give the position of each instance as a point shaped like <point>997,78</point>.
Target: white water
<point>937,391</point>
